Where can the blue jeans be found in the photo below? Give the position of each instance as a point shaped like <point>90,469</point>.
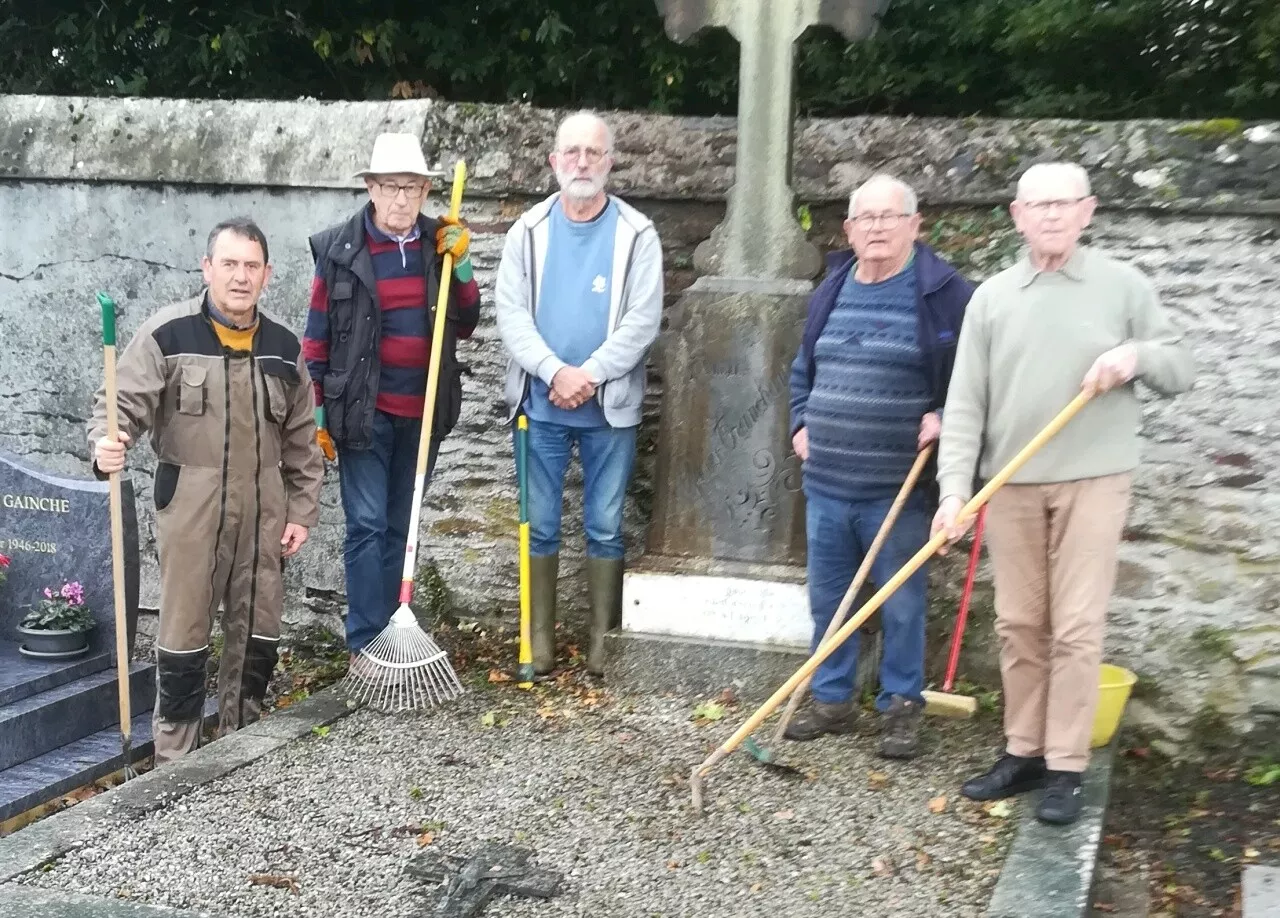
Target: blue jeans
<point>377,497</point>
<point>839,533</point>
<point>607,455</point>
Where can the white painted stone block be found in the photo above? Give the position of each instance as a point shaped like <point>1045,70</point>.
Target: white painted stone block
<point>725,608</point>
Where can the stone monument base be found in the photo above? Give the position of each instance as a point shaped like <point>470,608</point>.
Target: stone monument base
<point>699,627</point>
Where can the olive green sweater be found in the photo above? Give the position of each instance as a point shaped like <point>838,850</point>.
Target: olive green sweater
<point>1027,342</point>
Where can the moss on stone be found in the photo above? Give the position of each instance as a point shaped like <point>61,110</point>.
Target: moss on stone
<point>1213,641</point>
<point>1212,129</point>
<point>432,598</point>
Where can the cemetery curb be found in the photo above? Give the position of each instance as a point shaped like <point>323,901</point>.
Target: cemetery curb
<point>53,837</point>
<point>1049,870</point>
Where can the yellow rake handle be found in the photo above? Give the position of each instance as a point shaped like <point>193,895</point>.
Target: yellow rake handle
<point>433,384</point>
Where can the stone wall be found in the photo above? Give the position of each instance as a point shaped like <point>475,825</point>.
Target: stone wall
<point>118,195</point>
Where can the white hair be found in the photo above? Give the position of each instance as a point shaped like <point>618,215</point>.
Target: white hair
<point>1055,173</point>
<point>909,202</point>
<point>585,116</point>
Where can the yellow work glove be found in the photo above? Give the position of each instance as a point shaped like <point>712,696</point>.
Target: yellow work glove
<point>453,237</point>
<point>323,440</point>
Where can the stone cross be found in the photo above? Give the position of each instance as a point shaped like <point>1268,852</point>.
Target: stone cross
<point>760,236</point>
<point>495,870</point>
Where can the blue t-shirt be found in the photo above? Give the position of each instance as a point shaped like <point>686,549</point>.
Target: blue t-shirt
<point>573,306</point>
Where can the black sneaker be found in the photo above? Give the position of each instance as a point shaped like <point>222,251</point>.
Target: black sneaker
<point>1062,800</point>
<point>1012,775</point>
<point>901,737</point>
<point>820,718</point>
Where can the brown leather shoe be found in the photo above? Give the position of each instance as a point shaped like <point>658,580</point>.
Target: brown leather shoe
<point>819,718</point>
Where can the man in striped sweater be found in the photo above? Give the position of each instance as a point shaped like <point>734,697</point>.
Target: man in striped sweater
<point>367,344</point>
<point>867,388</point>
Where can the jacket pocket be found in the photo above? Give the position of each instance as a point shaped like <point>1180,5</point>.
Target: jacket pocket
<point>192,390</point>
<point>449,398</point>
<point>335,407</point>
<point>277,393</point>
<point>165,484</point>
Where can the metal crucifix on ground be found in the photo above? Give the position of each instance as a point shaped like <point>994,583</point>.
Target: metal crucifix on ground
<point>760,236</point>
<point>465,886</point>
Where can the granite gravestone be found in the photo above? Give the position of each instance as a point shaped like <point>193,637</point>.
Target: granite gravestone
<point>55,530</point>
<point>728,516</point>
<point>59,719</point>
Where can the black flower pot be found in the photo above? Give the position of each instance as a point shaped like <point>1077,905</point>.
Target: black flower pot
<point>52,645</point>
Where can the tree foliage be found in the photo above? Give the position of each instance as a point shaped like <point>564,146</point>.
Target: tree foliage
<point>1072,58</point>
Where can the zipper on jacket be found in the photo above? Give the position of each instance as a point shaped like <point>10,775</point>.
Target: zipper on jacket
<point>254,371</point>
<point>222,495</point>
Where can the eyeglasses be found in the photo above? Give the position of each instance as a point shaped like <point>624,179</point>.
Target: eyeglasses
<point>412,190</point>
<point>592,155</point>
<point>1040,208</point>
<point>888,221</point>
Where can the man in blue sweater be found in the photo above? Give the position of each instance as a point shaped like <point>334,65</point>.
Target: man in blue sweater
<point>867,389</point>
<point>579,300</point>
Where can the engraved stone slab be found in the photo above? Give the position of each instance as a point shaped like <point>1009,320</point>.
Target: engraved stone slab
<point>727,480</point>
<point>723,608</point>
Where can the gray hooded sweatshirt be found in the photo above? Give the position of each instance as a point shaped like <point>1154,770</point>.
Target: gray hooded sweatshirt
<point>635,311</point>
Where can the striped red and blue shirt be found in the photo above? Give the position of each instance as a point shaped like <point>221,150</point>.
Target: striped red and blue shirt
<point>404,350</point>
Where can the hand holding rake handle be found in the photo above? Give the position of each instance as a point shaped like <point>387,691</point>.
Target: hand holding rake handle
<point>859,578</point>
<point>805,671</point>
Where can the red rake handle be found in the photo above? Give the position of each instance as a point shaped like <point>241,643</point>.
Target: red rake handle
<point>954,660</point>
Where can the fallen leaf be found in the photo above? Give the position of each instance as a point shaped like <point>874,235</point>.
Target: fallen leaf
<point>883,867</point>
<point>488,719</point>
<point>1000,809</point>
<point>937,804</point>
<point>922,860</point>
<point>1106,907</point>
<point>877,780</point>
<point>279,882</point>
<point>673,865</point>
<point>709,710</point>
<point>425,839</point>
<point>756,887</point>
<point>785,814</point>
<point>497,675</point>
<point>321,732</point>
<point>1252,852</point>
<point>728,697</point>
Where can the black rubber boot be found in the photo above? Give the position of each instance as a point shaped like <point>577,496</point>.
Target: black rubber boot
<point>543,572</point>
<point>604,592</point>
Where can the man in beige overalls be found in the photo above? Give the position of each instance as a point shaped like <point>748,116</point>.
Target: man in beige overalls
<point>226,396</point>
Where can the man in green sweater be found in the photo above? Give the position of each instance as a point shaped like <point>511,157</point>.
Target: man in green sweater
<point>1065,317</point>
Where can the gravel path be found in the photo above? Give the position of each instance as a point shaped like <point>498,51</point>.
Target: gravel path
<point>597,787</point>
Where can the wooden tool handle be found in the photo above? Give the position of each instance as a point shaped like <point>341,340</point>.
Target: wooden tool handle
<point>117,518</point>
<point>977,502</point>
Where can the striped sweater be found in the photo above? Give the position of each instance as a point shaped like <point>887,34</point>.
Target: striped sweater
<point>404,347</point>
<point>870,390</point>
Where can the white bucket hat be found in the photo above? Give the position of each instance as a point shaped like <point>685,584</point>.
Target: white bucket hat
<point>394,153</point>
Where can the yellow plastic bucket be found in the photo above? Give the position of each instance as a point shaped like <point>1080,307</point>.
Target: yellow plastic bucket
<point>1114,685</point>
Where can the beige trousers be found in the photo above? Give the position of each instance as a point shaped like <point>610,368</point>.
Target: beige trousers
<point>1053,553</point>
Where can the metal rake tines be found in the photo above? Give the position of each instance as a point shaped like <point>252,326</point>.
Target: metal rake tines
<point>404,671</point>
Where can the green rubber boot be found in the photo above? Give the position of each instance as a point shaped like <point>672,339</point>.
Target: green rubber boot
<point>543,572</point>
<point>604,593</point>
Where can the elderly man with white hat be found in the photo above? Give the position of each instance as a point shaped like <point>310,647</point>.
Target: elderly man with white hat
<point>367,344</point>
